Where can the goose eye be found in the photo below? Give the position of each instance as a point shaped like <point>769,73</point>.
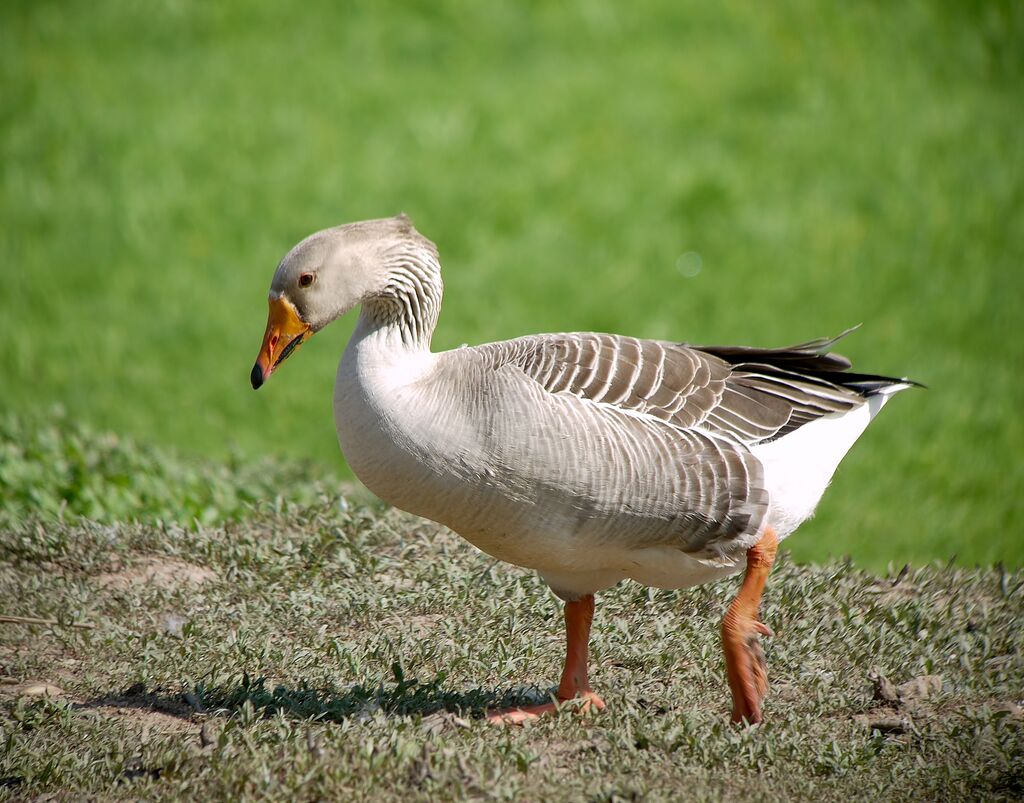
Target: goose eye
<point>306,279</point>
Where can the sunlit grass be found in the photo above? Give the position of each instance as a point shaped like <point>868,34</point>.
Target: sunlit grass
<point>321,654</point>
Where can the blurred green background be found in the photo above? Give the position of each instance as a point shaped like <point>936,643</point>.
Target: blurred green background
<point>734,172</point>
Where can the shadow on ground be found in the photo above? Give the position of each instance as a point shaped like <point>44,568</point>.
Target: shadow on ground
<point>401,698</point>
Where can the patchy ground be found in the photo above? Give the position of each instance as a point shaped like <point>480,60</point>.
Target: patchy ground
<point>342,654</point>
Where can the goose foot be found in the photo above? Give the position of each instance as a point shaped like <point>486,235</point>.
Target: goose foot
<point>746,669</point>
<point>574,687</point>
<point>741,630</point>
<point>520,715</point>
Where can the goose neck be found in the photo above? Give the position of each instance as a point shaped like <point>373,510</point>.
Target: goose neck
<point>404,313</point>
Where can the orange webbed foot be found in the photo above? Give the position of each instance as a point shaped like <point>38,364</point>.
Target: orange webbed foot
<point>583,703</point>
<point>745,667</point>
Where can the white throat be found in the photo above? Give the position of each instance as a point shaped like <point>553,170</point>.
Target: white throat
<point>378,389</point>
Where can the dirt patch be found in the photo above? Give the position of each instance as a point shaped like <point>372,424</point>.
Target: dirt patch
<point>423,624</point>
<point>897,707</point>
<point>32,688</point>
<point>153,711</point>
<point>37,688</point>
<point>149,721</point>
<point>35,661</point>
<point>164,573</point>
<point>919,688</point>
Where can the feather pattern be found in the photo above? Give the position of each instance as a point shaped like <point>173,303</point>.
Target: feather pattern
<point>749,395</point>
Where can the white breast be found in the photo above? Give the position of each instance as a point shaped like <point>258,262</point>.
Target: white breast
<point>383,427</point>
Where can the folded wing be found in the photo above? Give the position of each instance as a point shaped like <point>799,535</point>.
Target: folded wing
<point>749,395</point>
<point>699,409</point>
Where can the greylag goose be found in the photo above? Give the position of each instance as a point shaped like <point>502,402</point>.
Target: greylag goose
<point>589,458</point>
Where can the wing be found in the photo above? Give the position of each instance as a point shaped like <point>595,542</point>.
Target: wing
<point>642,471</point>
<point>748,395</point>
<point>686,415</point>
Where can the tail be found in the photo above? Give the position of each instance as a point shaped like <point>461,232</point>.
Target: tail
<point>811,360</point>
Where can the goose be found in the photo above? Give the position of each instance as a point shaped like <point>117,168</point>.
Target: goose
<point>590,458</point>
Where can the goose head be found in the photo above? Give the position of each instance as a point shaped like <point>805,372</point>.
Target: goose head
<point>325,276</point>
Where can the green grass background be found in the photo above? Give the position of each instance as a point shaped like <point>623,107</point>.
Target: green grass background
<point>823,164</point>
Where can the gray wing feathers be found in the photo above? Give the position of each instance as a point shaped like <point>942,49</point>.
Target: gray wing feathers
<point>749,395</point>
<point>718,402</point>
<point>788,400</point>
<point>667,381</point>
<point>727,498</point>
<point>717,490</point>
<point>657,485</point>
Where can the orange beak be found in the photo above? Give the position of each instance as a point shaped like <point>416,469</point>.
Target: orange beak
<point>285,332</point>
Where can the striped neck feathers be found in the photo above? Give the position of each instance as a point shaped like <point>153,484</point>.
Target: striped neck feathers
<point>410,301</point>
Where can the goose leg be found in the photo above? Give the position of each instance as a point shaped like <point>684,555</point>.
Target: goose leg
<point>574,684</point>
<point>744,660</point>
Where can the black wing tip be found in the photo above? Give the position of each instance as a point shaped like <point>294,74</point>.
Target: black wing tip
<point>880,386</point>
<point>812,360</point>
<point>881,383</point>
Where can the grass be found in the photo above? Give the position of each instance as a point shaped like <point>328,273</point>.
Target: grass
<point>313,653</point>
<point>229,645</point>
<point>737,173</point>
<point>54,468</point>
